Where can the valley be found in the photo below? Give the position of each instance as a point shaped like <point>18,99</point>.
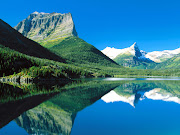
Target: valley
<point>47,45</point>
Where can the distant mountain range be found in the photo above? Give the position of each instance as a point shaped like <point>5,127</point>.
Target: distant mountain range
<point>161,56</point>
<point>135,58</point>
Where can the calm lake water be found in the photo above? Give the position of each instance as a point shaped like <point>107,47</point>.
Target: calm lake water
<point>118,106</point>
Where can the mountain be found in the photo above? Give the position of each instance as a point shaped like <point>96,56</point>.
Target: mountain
<point>129,57</point>
<point>160,56</point>
<point>11,38</point>
<point>16,53</point>
<point>43,27</point>
<point>57,32</point>
<point>171,63</point>
<point>113,52</point>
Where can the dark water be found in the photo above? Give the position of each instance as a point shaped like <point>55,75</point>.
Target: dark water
<point>131,106</point>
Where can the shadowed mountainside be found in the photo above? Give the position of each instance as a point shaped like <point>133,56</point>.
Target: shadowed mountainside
<point>11,38</point>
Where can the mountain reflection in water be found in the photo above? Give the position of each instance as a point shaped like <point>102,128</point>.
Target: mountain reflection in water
<point>57,115</point>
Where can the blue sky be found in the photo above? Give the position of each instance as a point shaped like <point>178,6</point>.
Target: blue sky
<point>153,24</point>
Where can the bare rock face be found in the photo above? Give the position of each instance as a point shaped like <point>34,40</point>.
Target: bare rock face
<point>42,27</point>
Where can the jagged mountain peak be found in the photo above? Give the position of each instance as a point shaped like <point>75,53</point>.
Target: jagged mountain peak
<point>42,27</point>
<point>128,57</point>
<point>135,50</point>
<point>132,50</point>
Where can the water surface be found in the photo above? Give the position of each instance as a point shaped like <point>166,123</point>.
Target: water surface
<point>126,106</point>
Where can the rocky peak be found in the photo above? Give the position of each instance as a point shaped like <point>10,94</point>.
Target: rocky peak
<point>43,27</point>
<point>135,50</point>
<point>132,50</point>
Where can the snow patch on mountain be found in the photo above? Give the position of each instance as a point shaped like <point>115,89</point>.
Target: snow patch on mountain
<point>113,52</point>
<point>160,56</point>
<point>132,50</point>
<point>156,56</point>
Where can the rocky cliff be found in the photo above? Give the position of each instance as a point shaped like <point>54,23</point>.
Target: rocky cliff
<point>42,27</point>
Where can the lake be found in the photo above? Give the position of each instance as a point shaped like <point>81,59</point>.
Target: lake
<point>109,106</point>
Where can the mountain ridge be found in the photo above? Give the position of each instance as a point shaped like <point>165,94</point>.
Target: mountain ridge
<point>160,56</point>
<point>135,58</point>
<point>156,56</point>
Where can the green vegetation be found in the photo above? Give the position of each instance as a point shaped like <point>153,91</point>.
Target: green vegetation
<point>51,43</point>
<point>77,51</point>
<point>12,62</point>
<point>78,95</point>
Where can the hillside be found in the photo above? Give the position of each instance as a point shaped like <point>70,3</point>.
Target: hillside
<point>76,50</point>
<point>11,38</point>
